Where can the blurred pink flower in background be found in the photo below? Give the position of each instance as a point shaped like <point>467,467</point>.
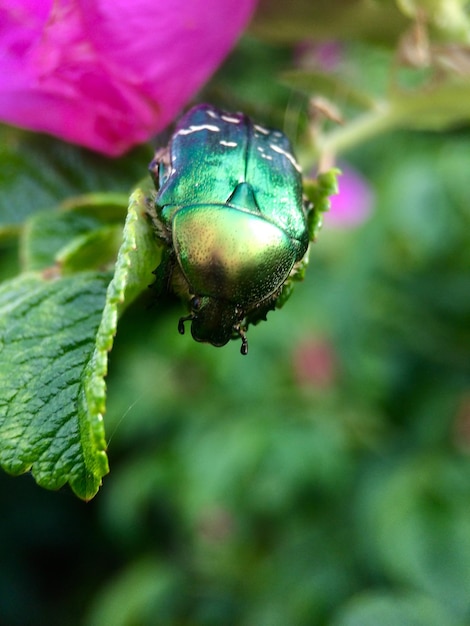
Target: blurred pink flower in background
<point>108,74</point>
<point>353,203</point>
<point>325,56</point>
<point>315,365</point>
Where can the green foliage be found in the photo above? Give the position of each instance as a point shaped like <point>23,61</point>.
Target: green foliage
<point>324,479</point>
<point>47,329</point>
<point>57,330</point>
<point>394,610</point>
<point>39,172</point>
<point>318,192</point>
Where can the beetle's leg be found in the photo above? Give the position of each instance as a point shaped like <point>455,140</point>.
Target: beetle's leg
<point>244,347</point>
<point>164,272</point>
<point>160,229</point>
<point>241,332</point>
<point>195,306</point>
<point>182,320</point>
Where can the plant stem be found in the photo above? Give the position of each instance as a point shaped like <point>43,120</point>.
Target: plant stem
<point>383,118</point>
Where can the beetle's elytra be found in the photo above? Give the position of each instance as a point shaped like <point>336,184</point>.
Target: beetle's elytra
<point>230,212</point>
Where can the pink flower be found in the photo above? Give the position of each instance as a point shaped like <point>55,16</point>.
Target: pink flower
<point>315,364</point>
<point>325,56</point>
<point>108,74</point>
<point>353,203</point>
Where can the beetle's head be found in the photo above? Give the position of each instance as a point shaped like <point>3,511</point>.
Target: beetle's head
<point>214,321</point>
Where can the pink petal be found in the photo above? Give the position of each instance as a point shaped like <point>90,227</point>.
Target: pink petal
<point>108,74</point>
<point>353,204</point>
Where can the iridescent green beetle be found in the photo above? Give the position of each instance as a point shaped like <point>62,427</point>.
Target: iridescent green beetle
<point>230,211</point>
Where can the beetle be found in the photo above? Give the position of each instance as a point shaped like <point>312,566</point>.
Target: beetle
<point>231,215</point>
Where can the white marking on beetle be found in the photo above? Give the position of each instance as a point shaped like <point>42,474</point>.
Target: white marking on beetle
<point>267,157</point>
<point>195,129</point>
<point>212,114</point>
<point>288,156</point>
<point>230,120</point>
<point>261,129</point>
<point>229,144</point>
<point>260,149</point>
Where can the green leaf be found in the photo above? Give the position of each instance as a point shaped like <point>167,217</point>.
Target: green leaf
<point>38,172</point>
<point>423,543</point>
<point>46,233</point>
<point>47,332</point>
<point>107,206</point>
<point>438,108</point>
<point>277,20</point>
<point>138,256</point>
<point>55,336</point>
<point>318,191</point>
<point>332,87</point>
<point>395,609</point>
<point>91,250</point>
<point>131,597</point>
<point>80,234</point>
<point>449,17</point>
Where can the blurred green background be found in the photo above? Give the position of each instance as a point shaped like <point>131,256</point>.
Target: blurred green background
<point>324,479</point>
